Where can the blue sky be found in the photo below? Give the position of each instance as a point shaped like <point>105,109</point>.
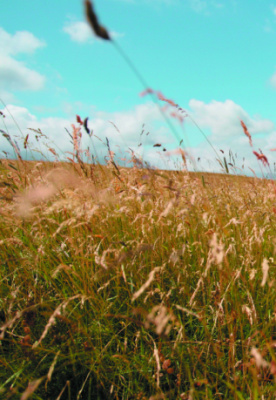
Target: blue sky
<point>215,58</point>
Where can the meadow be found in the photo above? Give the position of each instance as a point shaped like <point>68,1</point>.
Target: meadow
<point>135,283</point>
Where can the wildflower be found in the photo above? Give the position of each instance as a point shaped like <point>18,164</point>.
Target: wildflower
<point>261,157</point>
<point>162,98</point>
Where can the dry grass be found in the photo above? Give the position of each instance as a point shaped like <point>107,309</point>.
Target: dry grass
<point>132,283</point>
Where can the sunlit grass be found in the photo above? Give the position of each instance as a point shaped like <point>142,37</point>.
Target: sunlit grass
<point>135,283</point>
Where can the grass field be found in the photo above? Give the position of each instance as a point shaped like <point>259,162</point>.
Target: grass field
<point>132,283</point>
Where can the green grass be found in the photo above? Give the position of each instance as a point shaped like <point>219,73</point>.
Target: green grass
<point>124,283</point>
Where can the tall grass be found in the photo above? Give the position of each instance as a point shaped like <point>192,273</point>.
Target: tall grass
<point>132,283</point>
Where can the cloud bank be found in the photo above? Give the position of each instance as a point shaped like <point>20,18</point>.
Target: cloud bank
<point>15,75</point>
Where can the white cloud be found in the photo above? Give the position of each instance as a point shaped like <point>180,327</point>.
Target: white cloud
<point>8,96</point>
<point>15,75</point>
<point>78,31</point>
<point>20,114</point>
<point>21,42</point>
<point>223,119</point>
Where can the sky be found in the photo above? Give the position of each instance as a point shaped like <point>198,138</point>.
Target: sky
<point>215,59</point>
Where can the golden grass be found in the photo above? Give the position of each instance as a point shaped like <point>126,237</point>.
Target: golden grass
<point>134,283</point>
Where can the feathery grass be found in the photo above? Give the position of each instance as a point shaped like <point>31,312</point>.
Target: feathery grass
<point>135,283</point>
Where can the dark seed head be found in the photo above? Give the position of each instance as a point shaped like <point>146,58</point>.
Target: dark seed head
<point>92,19</point>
